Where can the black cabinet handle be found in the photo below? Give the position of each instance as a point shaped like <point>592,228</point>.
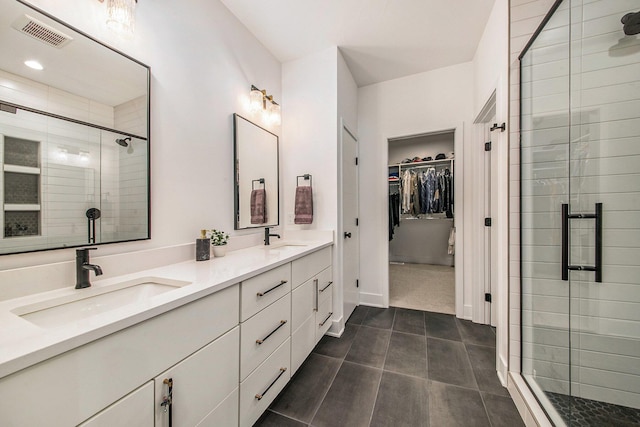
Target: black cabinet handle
<point>259,396</point>
<point>325,288</point>
<point>261,294</point>
<point>327,318</point>
<point>167,401</point>
<point>347,235</point>
<point>282,322</point>
<point>566,229</point>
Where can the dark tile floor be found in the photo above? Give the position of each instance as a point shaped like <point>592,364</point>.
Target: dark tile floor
<point>396,367</point>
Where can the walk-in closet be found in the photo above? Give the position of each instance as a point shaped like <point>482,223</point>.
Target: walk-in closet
<point>421,222</point>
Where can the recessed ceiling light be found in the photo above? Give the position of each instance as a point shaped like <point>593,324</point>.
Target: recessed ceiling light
<point>34,64</point>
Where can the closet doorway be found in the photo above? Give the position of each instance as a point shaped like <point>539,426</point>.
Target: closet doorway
<point>422,221</point>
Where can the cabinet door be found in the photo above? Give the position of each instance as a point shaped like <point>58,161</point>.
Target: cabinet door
<point>135,410</point>
<point>226,414</point>
<point>302,342</point>
<point>200,382</point>
<point>303,303</point>
<point>323,318</point>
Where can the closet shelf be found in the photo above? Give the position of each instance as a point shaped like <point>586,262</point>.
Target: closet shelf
<point>425,163</point>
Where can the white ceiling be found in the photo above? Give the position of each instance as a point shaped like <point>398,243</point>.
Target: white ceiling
<point>379,39</point>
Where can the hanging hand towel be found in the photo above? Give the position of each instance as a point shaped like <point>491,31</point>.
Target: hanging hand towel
<point>303,205</point>
<point>258,206</point>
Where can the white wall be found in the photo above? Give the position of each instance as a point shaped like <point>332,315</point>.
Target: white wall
<point>318,91</point>
<point>421,103</point>
<point>203,62</point>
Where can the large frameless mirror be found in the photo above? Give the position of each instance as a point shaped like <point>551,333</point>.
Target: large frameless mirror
<point>256,175</point>
<point>74,137</point>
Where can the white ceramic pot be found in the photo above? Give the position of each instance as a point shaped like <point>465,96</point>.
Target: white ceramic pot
<point>219,251</point>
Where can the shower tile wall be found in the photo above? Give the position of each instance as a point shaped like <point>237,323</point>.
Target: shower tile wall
<point>131,117</point>
<point>605,317</point>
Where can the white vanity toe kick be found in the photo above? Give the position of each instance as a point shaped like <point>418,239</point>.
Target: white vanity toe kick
<point>25,343</point>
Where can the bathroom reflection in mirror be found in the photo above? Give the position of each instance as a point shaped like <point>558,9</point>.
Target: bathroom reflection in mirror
<point>256,175</point>
<point>74,137</point>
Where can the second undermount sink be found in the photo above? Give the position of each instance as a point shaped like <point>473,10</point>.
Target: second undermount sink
<point>284,245</point>
<point>85,303</point>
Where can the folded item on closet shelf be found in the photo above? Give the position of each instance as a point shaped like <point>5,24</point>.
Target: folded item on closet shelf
<point>452,241</point>
<point>303,205</point>
<point>416,159</point>
<point>394,174</point>
<point>406,161</point>
<point>450,156</point>
<point>441,156</point>
<point>427,159</point>
<point>393,179</point>
<point>258,206</point>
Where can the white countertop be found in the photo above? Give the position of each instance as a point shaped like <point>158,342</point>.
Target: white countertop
<point>23,344</point>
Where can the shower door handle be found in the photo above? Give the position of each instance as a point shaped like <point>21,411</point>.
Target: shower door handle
<point>566,229</point>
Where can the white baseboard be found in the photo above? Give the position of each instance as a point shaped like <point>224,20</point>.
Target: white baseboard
<point>468,312</point>
<point>337,328</point>
<point>372,300</point>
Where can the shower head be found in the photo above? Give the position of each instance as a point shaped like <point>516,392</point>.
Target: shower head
<point>123,142</point>
<point>631,23</point>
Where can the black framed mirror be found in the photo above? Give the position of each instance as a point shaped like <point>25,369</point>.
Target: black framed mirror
<point>74,136</point>
<point>256,171</point>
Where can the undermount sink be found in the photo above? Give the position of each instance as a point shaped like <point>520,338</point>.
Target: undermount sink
<point>85,303</point>
<point>284,245</point>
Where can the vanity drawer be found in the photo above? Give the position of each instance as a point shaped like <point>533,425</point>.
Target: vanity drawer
<point>305,268</point>
<point>264,384</point>
<point>325,285</point>
<point>263,333</point>
<point>323,318</point>
<point>258,292</point>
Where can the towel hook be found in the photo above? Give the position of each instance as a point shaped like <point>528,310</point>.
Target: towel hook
<point>259,181</point>
<point>306,176</point>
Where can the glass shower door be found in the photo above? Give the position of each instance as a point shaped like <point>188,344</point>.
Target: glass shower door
<point>580,215</point>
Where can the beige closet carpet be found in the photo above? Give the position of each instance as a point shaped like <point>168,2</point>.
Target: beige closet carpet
<point>422,287</point>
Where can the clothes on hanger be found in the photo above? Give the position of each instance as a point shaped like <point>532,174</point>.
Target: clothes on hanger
<point>394,213</point>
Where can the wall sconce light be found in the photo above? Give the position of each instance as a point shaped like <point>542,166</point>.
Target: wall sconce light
<point>260,101</point>
<point>121,15</point>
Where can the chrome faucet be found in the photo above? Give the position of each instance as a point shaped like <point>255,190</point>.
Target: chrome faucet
<point>267,235</point>
<point>83,266</point>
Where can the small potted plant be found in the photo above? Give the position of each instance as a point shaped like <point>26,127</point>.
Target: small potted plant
<point>219,240</point>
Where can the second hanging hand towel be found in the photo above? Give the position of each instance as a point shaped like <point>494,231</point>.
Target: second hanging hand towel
<point>258,206</point>
<point>303,206</point>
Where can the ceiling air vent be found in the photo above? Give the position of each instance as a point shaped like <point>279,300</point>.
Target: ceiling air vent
<point>41,31</point>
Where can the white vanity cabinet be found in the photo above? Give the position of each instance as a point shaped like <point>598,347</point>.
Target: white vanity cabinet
<point>311,306</point>
<point>103,378</point>
<point>131,410</point>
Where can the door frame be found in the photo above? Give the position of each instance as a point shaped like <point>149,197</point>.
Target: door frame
<point>460,219</point>
<point>338,324</point>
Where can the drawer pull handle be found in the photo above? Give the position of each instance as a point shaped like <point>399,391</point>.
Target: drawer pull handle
<point>282,322</point>
<point>325,288</point>
<point>315,283</point>
<point>261,294</point>
<point>327,318</point>
<point>261,395</point>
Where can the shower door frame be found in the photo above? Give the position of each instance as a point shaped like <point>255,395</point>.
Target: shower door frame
<point>551,417</point>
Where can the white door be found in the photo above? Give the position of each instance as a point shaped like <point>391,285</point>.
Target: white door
<point>490,239</point>
<point>349,221</point>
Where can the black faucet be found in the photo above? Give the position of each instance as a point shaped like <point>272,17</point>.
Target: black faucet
<point>83,267</point>
<point>267,235</point>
